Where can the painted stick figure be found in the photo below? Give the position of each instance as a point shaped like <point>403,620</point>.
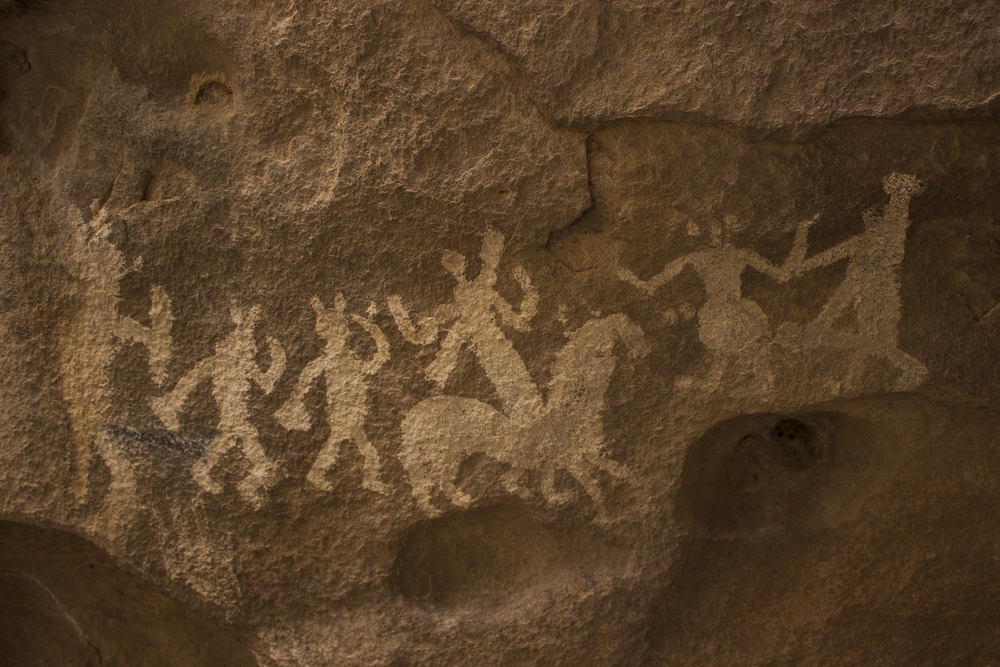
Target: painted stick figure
<point>473,318</point>
<point>346,392</point>
<point>231,369</point>
<point>872,282</point>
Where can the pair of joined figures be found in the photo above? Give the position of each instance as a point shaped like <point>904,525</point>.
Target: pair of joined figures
<point>232,369</point>
<point>735,330</point>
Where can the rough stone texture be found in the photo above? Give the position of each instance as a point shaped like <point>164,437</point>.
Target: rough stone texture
<point>467,333</point>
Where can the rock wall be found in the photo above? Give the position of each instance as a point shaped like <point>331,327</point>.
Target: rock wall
<point>462,333</point>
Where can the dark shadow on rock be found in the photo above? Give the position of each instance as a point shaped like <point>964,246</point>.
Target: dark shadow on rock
<point>495,554</point>
<point>63,601</point>
<point>867,532</point>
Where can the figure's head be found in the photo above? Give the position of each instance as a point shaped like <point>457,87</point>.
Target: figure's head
<point>243,317</point>
<point>901,184</point>
<point>455,263</point>
<point>331,325</point>
<point>897,186</point>
<point>721,231</point>
<point>717,233</point>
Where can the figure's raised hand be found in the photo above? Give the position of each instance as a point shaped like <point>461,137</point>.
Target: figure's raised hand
<point>795,264</point>
<point>266,381</point>
<point>293,415</point>
<point>625,275</point>
<point>529,305</point>
<point>166,412</point>
<point>426,331</point>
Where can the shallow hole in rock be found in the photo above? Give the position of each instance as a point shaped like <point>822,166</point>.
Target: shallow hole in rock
<point>496,553</point>
<point>63,601</point>
<point>213,92</point>
<point>757,470</point>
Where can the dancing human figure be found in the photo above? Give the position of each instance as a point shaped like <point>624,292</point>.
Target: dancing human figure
<point>729,326</point>
<point>96,334</point>
<point>231,370</point>
<point>346,392</point>
<point>472,319</point>
<point>871,285</point>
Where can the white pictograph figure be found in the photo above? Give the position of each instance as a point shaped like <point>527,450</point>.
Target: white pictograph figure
<point>731,327</point>
<point>871,286</point>
<point>440,433</point>
<point>231,370</point>
<point>346,392</point>
<point>97,333</point>
<point>472,319</point>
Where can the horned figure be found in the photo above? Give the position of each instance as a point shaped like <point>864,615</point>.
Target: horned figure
<point>346,392</point>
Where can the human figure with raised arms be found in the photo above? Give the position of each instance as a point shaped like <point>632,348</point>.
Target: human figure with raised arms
<point>346,392</point>
<point>475,318</point>
<point>231,369</point>
<point>730,326</point>
<point>871,287</point>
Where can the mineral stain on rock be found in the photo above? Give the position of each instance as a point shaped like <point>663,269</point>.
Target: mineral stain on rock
<point>170,441</point>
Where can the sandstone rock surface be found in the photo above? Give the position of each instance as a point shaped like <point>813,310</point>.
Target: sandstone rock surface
<point>499,333</point>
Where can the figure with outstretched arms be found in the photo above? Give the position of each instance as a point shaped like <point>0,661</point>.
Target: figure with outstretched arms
<point>474,319</point>
<point>871,285</point>
<point>729,326</point>
<point>872,282</point>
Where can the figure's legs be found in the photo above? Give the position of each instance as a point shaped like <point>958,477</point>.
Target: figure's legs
<point>422,494</point>
<point>762,368</point>
<point>505,368</point>
<point>549,488</point>
<point>373,464</point>
<point>511,481</point>
<point>707,378</point>
<point>879,312</point>
<point>441,470</point>
<point>455,494</point>
<point>579,470</point>
<point>326,459</point>
<point>123,487</point>
<point>203,467</point>
<point>911,371</point>
<point>856,369</point>
<point>843,297</point>
<point>439,370</point>
<point>717,368</point>
<point>611,467</point>
<point>262,471</point>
